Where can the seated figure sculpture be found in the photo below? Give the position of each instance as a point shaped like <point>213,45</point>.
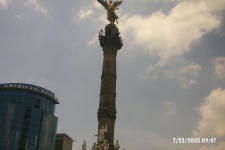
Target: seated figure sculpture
<point>116,145</point>
<point>105,145</point>
<point>102,132</point>
<point>94,146</point>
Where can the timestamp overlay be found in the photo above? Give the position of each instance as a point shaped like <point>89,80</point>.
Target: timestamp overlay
<point>191,140</point>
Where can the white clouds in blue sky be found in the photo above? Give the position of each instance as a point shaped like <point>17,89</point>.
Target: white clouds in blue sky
<point>38,7</point>
<point>212,115</point>
<point>33,3</point>
<point>168,35</point>
<point>212,119</point>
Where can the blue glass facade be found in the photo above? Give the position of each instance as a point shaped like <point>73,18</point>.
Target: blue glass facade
<point>27,120</point>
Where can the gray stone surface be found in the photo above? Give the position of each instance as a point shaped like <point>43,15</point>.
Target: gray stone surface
<point>110,41</point>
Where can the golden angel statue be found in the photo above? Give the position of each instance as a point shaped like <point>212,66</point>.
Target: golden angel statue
<point>111,7</point>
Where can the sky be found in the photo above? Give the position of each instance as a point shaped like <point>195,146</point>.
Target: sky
<point>170,71</point>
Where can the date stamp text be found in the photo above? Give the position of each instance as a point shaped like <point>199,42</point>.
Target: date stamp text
<point>188,140</point>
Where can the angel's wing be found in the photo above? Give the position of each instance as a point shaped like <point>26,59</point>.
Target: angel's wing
<point>103,3</point>
<point>117,3</point>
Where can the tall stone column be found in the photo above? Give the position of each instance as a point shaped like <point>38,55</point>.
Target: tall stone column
<point>110,42</point>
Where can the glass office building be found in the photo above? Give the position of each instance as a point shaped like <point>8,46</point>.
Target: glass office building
<point>27,120</point>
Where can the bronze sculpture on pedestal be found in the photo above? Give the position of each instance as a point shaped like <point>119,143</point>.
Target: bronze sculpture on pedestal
<point>111,42</point>
<point>111,7</point>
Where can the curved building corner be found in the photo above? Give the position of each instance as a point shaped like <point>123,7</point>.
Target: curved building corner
<point>27,117</point>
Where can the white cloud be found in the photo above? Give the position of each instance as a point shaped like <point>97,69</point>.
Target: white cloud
<point>189,74</point>
<point>38,7</point>
<point>185,72</point>
<point>212,123</point>
<point>168,35</point>
<point>88,12</point>
<point>151,72</point>
<point>97,4</point>
<point>216,7</point>
<point>192,69</point>
<point>85,13</point>
<point>91,13</point>
<point>219,66</point>
<point>94,12</point>
<point>4,3</point>
<point>93,40</point>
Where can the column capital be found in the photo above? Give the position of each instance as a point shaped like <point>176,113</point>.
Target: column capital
<point>111,38</point>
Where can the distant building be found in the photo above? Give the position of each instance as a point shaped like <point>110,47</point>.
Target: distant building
<point>63,142</point>
<point>27,120</point>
